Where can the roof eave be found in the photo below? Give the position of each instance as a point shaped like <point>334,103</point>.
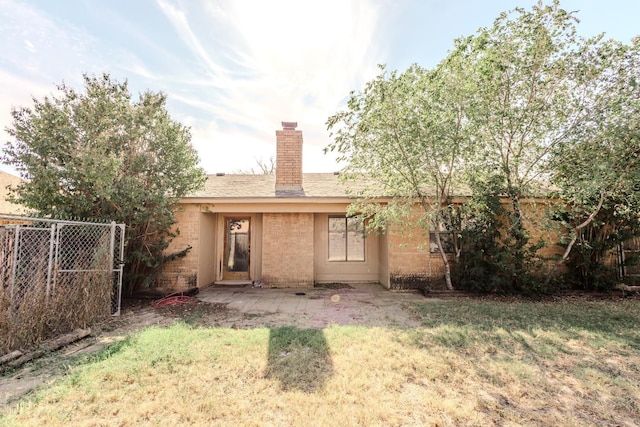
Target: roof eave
<point>268,200</point>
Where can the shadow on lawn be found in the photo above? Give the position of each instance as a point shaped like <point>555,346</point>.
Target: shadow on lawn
<point>299,359</point>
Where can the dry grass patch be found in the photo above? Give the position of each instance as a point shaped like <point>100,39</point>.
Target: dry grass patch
<point>32,316</point>
<point>473,363</point>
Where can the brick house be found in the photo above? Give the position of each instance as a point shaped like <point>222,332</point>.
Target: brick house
<point>287,229</point>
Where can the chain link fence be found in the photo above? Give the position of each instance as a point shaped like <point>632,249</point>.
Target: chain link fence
<point>56,276</point>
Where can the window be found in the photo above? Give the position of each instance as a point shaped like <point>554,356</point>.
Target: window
<point>446,237</point>
<point>346,239</point>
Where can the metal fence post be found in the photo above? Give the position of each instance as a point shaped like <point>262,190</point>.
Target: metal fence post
<point>112,242</point>
<point>52,237</point>
<point>56,254</point>
<point>119,270</point>
<point>14,266</point>
<point>111,266</point>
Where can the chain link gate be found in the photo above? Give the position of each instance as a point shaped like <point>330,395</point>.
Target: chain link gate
<point>50,259</point>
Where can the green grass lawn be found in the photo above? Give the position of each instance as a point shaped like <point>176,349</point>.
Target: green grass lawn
<point>471,363</point>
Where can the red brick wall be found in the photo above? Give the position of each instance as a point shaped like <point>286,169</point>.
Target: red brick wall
<point>287,249</point>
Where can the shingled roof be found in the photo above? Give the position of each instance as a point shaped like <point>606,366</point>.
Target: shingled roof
<point>315,185</point>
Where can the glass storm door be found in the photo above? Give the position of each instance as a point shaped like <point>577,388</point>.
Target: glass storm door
<point>236,249</point>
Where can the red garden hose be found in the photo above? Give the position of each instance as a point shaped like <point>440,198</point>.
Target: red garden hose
<point>176,298</point>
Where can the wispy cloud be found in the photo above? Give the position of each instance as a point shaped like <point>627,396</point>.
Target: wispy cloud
<point>182,26</point>
<point>35,52</point>
<point>37,47</point>
<point>273,61</point>
<point>232,70</point>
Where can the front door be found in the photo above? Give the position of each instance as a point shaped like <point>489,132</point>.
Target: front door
<point>237,249</point>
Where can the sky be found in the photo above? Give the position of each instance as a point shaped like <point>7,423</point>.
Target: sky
<point>233,70</point>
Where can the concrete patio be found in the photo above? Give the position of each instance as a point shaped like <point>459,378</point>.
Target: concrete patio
<point>359,304</point>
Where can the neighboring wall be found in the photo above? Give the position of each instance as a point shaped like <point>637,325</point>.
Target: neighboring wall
<point>287,249</point>
<point>6,207</point>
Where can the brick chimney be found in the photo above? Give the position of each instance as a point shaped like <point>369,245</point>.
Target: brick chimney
<point>289,159</point>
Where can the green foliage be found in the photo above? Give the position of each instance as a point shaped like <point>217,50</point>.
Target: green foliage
<point>525,106</point>
<point>477,267</point>
<point>597,169</point>
<point>526,99</point>
<point>590,265</point>
<point>403,136</point>
<point>525,68</point>
<point>392,133</point>
<point>487,254</point>
<point>97,154</point>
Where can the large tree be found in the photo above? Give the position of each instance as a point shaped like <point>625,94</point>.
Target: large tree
<point>532,92</point>
<point>405,135</point>
<point>597,169</point>
<point>99,154</point>
<point>493,115</point>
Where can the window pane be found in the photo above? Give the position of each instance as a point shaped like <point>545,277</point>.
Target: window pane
<point>446,237</point>
<point>355,240</point>
<point>337,239</point>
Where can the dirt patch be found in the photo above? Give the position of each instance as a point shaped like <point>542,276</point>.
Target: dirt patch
<point>195,311</point>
